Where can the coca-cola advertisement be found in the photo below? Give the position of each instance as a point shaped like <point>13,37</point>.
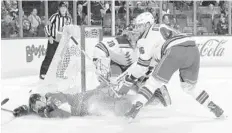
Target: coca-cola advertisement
<point>215,50</point>
<point>213,47</point>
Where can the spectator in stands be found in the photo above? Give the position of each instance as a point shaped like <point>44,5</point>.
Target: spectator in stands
<point>107,8</point>
<point>137,9</point>
<point>207,3</point>
<point>208,19</point>
<point>122,11</point>
<point>81,16</point>
<point>4,9</point>
<point>121,21</point>
<point>35,21</point>
<point>175,24</point>
<point>14,6</point>
<point>212,10</point>
<point>84,5</point>
<point>222,26</point>
<point>41,27</point>
<point>7,27</point>
<point>27,28</point>
<point>165,9</point>
<point>166,20</point>
<point>107,19</point>
<point>96,10</point>
<point>15,23</point>
<point>155,14</point>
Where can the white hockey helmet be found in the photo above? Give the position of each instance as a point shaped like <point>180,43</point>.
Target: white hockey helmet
<point>144,18</point>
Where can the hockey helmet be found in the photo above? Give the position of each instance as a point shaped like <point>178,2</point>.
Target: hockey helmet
<point>144,18</point>
<point>36,102</point>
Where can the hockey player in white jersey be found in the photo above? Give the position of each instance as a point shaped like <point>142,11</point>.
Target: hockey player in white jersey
<point>114,58</point>
<point>163,47</point>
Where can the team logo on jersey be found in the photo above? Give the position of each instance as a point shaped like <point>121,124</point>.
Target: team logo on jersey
<point>141,50</point>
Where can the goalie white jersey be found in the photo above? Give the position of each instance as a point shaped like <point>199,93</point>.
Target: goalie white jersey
<point>119,50</point>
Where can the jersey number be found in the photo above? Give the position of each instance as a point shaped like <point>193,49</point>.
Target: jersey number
<point>111,43</point>
<point>141,50</point>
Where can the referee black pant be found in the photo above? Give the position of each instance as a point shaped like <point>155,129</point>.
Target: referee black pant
<point>51,50</point>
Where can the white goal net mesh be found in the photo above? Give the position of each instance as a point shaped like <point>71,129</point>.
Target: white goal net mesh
<point>69,70</point>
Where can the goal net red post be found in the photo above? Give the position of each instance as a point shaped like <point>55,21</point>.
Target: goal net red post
<point>71,70</point>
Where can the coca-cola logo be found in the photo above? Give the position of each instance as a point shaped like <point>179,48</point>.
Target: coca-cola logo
<point>32,51</point>
<point>212,47</point>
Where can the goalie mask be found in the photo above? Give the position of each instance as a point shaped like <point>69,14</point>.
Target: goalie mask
<point>131,35</point>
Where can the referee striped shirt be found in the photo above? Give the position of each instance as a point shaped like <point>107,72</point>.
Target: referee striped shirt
<point>56,23</point>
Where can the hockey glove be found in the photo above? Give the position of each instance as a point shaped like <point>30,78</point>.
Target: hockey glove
<point>20,111</point>
<point>129,82</point>
<point>45,111</point>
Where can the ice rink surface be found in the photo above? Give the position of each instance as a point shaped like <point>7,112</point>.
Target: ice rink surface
<point>185,115</point>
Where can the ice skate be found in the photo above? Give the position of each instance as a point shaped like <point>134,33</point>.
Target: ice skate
<point>218,112</point>
<point>161,95</point>
<point>134,111</point>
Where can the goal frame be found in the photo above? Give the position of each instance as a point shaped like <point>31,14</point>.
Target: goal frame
<point>83,48</point>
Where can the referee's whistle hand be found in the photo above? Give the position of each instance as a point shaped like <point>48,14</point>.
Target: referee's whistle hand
<point>50,40</point>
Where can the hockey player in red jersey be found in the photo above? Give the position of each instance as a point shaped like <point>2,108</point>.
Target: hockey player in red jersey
<point>61,105</point>
<point>162,47</point>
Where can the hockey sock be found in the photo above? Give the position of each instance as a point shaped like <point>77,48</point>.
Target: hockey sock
<point>144,94</point>
<point>203,98</point>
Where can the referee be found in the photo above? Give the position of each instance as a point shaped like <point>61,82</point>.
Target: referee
<point>54,30</point>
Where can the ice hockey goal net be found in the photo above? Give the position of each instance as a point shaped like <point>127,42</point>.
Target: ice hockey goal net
<point>70,70</point>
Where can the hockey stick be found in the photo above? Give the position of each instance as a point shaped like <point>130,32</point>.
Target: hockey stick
<point>4,101</point>
<point>7,110</point>
<point>105,80</point>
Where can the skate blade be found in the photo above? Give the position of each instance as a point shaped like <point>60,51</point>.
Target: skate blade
<point>222,117</point>
<point>128,120</point>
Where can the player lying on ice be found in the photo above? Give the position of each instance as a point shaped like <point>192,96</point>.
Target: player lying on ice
<point>168,55</point>
<point>94,102</point>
